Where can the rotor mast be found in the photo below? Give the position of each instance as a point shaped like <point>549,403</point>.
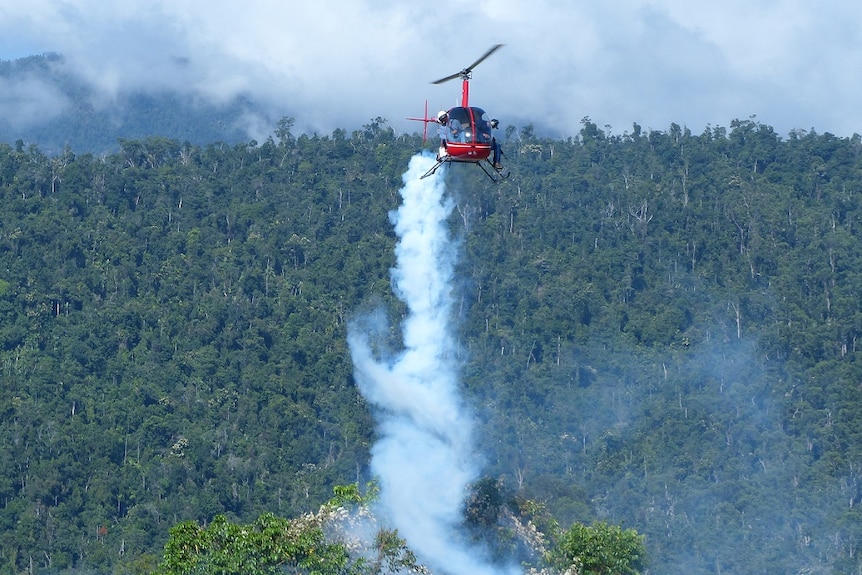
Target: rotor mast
<point>465,89</point>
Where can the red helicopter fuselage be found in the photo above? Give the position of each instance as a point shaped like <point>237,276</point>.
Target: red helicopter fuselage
<point>467,134</point>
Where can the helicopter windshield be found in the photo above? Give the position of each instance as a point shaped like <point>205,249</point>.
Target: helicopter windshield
<point>468,126</point>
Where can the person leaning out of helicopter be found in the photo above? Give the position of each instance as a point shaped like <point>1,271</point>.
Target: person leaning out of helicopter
<point>443,121</point>
<point>495,145</point>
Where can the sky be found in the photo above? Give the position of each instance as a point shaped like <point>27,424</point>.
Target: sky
<point>790,64</point>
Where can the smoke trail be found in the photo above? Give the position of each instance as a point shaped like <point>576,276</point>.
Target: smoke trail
<point>424,458</point>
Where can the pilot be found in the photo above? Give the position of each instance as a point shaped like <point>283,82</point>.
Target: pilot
<point>443,120</point>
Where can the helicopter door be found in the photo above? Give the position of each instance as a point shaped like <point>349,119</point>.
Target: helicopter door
<point>482,125</point>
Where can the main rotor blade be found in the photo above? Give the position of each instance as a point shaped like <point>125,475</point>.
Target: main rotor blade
<point>466,71</point>
<point>493,49</point>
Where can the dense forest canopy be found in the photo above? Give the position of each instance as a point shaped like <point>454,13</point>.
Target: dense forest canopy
<point>659,330</point>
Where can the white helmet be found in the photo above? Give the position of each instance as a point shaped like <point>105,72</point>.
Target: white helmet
<point>441,116</point>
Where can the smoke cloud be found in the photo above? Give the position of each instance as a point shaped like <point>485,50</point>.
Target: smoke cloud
<point>424,457</point>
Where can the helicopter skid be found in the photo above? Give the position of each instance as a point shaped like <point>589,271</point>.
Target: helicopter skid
<point>440,162</point>
<point>494,174</point>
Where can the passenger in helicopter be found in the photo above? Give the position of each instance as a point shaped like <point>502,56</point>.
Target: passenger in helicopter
<point>456,132</point>
<point>442,120</point>
<point>495,146</point>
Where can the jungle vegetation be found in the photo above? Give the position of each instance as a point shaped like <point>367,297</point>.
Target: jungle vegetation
<point>659,331</point>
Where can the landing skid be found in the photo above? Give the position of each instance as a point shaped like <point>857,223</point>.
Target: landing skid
<point>493,174</point>
<point>434,167</point>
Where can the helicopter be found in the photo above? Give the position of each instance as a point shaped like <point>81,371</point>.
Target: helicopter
<point>465,131</point>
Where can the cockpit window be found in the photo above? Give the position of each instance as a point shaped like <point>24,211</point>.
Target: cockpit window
<point>468,126</point>
<point>459,126</point>
<point>483,126</point>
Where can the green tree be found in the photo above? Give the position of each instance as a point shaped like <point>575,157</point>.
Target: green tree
<point>600,549</point>
<point>263,547</point>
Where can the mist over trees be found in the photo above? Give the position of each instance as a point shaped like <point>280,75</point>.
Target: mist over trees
<point>46,104</point>
<point>659,330</point>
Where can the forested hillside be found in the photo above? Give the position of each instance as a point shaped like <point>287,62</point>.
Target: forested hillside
<point>46,103</point>
<point>659,330</point>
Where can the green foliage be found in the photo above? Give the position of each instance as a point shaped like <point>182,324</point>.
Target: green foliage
<point>660,329</point>
<point>265,546</point>
<point>392,555</point>
<point>485,503</point>
<point>273,545</point>
<point>600,549</point>
<point>350,495</point>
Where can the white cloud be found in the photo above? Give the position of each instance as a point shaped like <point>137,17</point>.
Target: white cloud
<point>25,101</point>
<point>335,63</point>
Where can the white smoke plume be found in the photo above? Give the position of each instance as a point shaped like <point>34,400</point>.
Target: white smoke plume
<point>424,458</point>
